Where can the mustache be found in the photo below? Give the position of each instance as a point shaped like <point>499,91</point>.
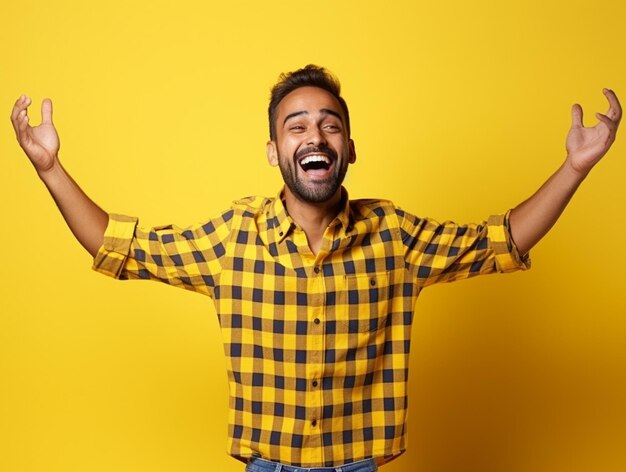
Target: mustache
<point>316,150</point>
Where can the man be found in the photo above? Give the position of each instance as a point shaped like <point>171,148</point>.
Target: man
<point>315,293</point>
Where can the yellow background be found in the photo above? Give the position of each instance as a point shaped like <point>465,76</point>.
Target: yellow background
<point>459,109</point>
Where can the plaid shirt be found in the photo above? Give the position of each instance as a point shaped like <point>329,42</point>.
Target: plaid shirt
<point>317,345</point>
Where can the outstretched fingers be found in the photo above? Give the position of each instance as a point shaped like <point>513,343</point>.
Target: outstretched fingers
<point>19,115</point>
<point>611,126</point>
<point>20,104</point>
<point>615,109</point>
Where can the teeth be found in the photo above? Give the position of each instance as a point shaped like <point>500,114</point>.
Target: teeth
<point>315,158</point>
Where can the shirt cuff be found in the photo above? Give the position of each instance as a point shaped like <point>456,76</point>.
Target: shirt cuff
<point>118,237</point>
<point>508,258</point>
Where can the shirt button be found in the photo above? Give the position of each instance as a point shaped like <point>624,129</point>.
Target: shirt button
<point>316,270</point>
<point>315,383</point>
<point>316,321</point>
<point>314,423</point>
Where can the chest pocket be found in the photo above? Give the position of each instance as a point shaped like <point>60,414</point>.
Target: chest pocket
<point>366,301</point>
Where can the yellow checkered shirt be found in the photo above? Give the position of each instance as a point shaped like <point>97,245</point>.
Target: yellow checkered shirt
<point>317,345</point>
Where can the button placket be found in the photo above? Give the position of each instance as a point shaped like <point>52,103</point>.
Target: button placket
<point>315,357</point>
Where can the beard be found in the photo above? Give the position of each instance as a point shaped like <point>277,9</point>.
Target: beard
<point>315,190</point>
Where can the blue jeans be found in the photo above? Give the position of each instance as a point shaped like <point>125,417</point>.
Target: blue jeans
<point>261,465</point>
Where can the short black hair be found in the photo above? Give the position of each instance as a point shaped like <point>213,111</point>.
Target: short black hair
<point>309,76</point>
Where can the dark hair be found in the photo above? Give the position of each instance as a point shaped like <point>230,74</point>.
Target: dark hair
<point>309,76</point>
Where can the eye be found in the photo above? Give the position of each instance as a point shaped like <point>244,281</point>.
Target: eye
<point>333,128</point>
<point>296,128</point>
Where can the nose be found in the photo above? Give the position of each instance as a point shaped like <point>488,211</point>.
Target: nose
<point>316,137</point>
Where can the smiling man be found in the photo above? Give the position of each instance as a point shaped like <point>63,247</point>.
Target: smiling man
<point>314,144</point>
<point>315,292</point>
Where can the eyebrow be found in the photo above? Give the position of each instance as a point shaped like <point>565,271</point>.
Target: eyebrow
<point>324,111</point>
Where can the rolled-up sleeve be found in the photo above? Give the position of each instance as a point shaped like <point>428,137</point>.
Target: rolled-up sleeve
<point>444,252</point>
<point>115,248</point>
<point>507,256</point>
<point>188,258</point>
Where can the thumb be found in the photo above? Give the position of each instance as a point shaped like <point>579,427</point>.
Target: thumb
<point>577,116</point>
<point>46,111</point>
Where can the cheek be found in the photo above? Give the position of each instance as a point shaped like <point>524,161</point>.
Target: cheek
<point>338,142</point>
<point>289,147</point>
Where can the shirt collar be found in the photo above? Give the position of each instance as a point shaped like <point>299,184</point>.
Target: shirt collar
<point>279,220</point>
<point>281,223</point>
<point>344,215</point>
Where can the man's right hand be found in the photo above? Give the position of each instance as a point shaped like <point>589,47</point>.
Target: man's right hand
<point>40,143</point>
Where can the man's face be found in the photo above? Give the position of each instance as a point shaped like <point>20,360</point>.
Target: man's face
<point>311,145</point>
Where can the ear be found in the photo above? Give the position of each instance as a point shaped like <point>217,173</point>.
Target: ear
<point>352,152</point>
<point>272,153</point>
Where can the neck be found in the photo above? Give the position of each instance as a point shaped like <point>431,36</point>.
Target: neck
<point>313,218</point>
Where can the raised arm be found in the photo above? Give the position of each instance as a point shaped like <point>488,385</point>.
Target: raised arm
<point>533,218</point>
<point>41,144</point>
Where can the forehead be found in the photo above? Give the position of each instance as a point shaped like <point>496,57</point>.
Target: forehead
<point>309,99</point>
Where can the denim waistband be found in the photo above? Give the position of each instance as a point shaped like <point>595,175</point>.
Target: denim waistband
<point>257,464</point>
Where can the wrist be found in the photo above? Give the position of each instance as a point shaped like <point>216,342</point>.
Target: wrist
<point>573,171</point>
<point>52,171</point>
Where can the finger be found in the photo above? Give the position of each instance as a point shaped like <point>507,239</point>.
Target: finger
<point>21,123</point>
<point>16,107</point>
<point>615,109</point>
<point>577,116</point>
<point>15,112</point>
<point>606,120</point>
<point>22,119</point>
<point>20,104</point>
<point>46,112</point>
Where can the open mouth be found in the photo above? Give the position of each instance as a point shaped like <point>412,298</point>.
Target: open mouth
<point>315,162</point>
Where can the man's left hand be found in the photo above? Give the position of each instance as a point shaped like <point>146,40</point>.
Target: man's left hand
<point>586,146</point>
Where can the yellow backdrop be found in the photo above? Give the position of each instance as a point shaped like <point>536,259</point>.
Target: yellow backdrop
<point>459,110</point>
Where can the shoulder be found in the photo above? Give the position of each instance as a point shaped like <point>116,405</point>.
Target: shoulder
<point>374,208</point>
<point>385,210</point>
<point>250,206</point>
